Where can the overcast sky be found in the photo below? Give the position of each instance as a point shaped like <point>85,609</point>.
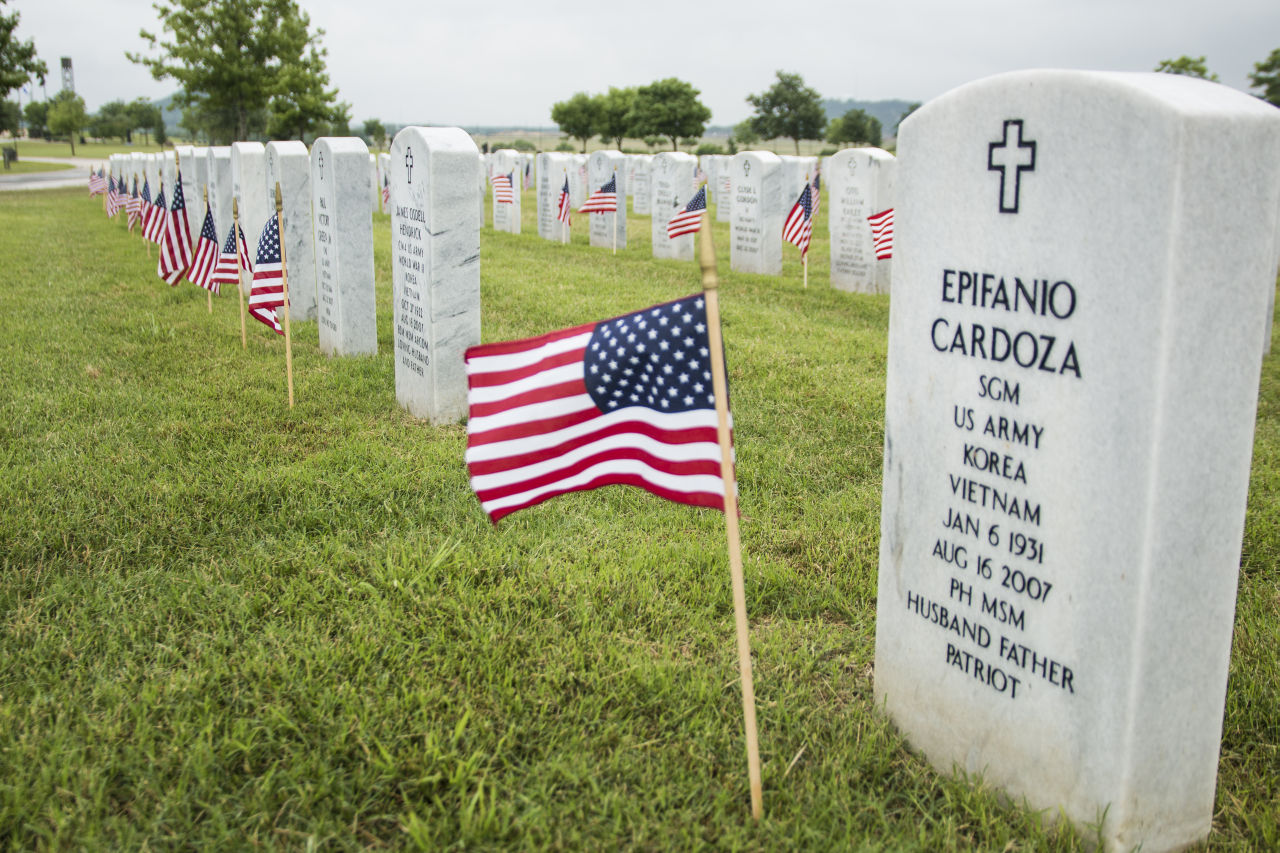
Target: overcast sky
<point>496,62</point>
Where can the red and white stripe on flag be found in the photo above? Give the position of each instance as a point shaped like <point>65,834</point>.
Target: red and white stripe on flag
<point>799,225</point>
<point>205,259</point>
<point>268,278</point>
<point>175,242</point>
<point>566,209</point>
<point>624,402</point>
<point>603,200</point>
<point>503,193</point>
<point>882,233</point>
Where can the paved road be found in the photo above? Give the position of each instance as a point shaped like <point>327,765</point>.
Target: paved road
<point>76,176</point>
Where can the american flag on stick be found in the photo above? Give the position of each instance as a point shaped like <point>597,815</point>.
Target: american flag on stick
<point>603,200</point>
<point>386,191</point>
<point>817,194</point>
<point>882,233</point>
<point>175,240</point>
<point>689,219</point>
<point>155,218</point>
<point>225,270</point>
<point>134,206</point>
<point>205,260</point>
<point>113,196</point>
<point>799,225</point>
<point>627,401</point>
<point>565,207</point>
<point>503,192</point>
<point>97,185</point>
<point>268,278</point>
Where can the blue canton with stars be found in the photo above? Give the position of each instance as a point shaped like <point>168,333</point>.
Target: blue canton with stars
<point>657,358</point>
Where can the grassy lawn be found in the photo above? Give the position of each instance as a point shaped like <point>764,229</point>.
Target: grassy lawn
<point>42,148</point>
<point>24,166</point>
<point>228,624</point>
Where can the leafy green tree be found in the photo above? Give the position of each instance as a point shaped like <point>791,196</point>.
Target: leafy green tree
<point>788,109</point>
<point>1266,76</point>
<point>375,132</point>
<point>37,116</point>
<point>744,133</point>
<point>240,64</point>
<point>10,116</point>
<point>1188,66</point>
<point>853,128</point>
<point>577,117</point>
<point>113,119</point>
<point>18,60</point>
<point>146,117</point>
<point>614,115</point>
<point>669,108</point>
<point>910,109</point>
<point>67,116</point>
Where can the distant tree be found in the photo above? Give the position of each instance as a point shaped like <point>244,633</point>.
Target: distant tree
<point>18,60</point>
<point>1188,66</point>
<point>614,115</point>
<point>854,127</point>
<point>240,64</point>
<point>910,109</point>
<point>577,117</point>
<point>67,116</point>
<point>652,142</point>
<point>37,116</point>
<point>159,132</point>
<point>669,108</point>
<point>564,146</point>
<point>10,116</point>
<point>113,119</point>
<point>375,132</point>
<point>1266,76</point>
<point>788,109</point>
<point>708,148</point>
<point>744,133</point>
<point>145,116</point>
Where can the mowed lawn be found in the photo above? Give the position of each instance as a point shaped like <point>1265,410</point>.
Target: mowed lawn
<point>225,623</point>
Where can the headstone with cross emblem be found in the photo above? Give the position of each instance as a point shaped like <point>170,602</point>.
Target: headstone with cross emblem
<point>795,171</point>
<point>435,266</point>
<point>342,226</point>
<point>755,229</point>
<point>671,188</point>
<point>601,167</point>
<point>218,165</point>
<point>289,164</point>
<point>505,162</point>
<point>248,187</point>
<point>551,168</point>
<point>1081,265</point>
<point>860,186</point>
<point>641,184</point>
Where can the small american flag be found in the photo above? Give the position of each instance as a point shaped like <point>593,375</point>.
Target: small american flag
<point>268,278</point>
<point>205,260</point>
<point>246,261</point>
<point>175,242</point>
<point>817,194</point>
<point>603,200</point>
<point>386,191</point>
<point>799,225</point>
<point>528,175</point>
<point>134,206</point>
<point>153,223</point>
<point>882,233</point>
<point>565,207</point>
<point>225,270</point>
<point>503,192</point>
<point>97,185</point>
<point>113,196</point>
<point>688,220</point>
<point>627,401</point>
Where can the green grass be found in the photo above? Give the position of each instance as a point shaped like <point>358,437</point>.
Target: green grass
<point>24,166</point>
<point>44,148</point>
<point>228,624</point>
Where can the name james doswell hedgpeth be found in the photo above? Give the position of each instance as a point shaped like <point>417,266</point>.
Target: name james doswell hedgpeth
<point>1030,350</point>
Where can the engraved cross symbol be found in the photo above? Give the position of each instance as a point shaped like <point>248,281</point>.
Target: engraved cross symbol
<point>320,164</point>
<point>746,168</point>
<point>408,165</point>
<point>1002,156</point>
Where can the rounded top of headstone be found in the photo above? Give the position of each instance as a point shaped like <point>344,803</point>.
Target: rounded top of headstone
<point>674,156</point>
<point>860,155</point>
<point>291,146</point>
<point>760,157</point>
<point>434,139</point>
<point>248,147</point>
<point>340,145</point>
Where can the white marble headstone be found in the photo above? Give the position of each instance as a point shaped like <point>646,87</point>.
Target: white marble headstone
<point>755,230</point>
<point>435,247</point>
<point>860,184</point>
<point>289,165</point>
<point>342,215</point>
<point>601,166</point>
<point>200,168</point>
<point>248,186</point>
<point>506,216</point>
<point>724,190</point>
<point>552,169</point>
<point>642,178</point>
<point>1075,337</point>
<point>578,191</point>
<point>190,192</point>
<point>218,167</point>
<point>671,187</point>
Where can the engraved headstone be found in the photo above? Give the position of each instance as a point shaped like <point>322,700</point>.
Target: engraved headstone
<point>578,191</point>
<point>289,164</point>
<point>755,230</point>
<point>552,169</point>
<point>642,176</point>
<point>200,166</point>
<point>672,187</point>
<point>435,243</point>
<point>601,167</point>
<point>342,216</point>
<point>152,171</point>
<point>248,186</point>
<point>795,171</point>
<point>860,184</point>
<point>191,197</point>
<point>218,167</point>
<point>1074,355</point>
<point>724,191</point>
<point>505,162</point>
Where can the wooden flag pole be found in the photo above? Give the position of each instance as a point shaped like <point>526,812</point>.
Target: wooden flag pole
<point>235,226</point>
<point>804,261</point>
<point>206,210</point>
<point>284,285</point>
<point>804,256</point>
<point>720,387</point>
